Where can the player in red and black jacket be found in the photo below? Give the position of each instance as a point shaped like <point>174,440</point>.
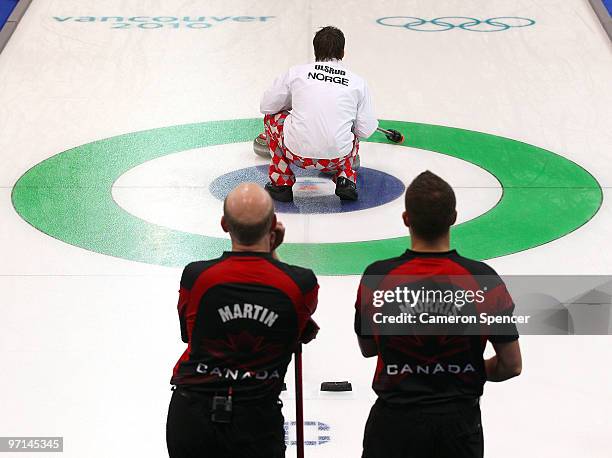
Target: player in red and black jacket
<point>429,382</point>
<point>242,316</point>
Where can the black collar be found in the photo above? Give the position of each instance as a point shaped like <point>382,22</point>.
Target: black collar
<point>247,254</point>
<point>430,254</point>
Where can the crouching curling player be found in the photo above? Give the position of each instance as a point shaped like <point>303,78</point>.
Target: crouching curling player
<point>314,116</point>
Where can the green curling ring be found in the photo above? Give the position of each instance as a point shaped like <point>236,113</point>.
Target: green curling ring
<point>68,196</point>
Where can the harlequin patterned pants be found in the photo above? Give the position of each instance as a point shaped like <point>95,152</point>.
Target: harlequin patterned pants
<point>280,167</point>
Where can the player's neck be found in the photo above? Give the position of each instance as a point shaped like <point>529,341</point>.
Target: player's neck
<point>440,245</point>
<point>260,247</point>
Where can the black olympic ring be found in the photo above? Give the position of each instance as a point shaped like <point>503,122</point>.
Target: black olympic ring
<point>498,24</point>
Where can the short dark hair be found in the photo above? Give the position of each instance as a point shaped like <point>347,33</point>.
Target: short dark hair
<point>328,44</point>
<point>248,234</point>
<point>430,204</point>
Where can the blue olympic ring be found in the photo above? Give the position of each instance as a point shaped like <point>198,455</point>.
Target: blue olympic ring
<point>467,23</point>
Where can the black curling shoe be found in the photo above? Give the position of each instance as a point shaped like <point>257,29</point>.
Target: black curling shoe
<point>280,193</point>
<point>346,189</point>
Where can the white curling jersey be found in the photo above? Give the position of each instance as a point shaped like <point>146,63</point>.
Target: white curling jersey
<point>329,106</point>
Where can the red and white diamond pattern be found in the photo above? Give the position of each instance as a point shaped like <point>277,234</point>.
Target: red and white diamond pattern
<point>280,166</point>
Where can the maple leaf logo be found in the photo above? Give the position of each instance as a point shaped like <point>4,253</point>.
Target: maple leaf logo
<point>244,350</point>
<point>430,349</point>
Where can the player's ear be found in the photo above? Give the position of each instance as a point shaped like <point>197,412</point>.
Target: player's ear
<point>274,221</point>
<point>454,218</point>
<point>406,219</point>
<point>224,224</point>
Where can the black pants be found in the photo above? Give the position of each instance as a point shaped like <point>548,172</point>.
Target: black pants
<point>446,431</point>
<point>256,430</point>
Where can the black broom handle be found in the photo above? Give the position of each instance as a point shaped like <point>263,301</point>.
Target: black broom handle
<point>299,402</point>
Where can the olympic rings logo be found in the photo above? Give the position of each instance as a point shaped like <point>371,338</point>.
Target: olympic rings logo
<point>442,24</point>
